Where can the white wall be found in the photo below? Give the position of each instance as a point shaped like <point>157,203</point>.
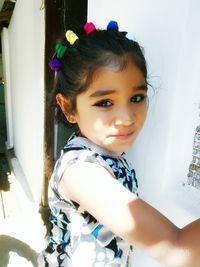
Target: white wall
<point>26,51</point>
<point>169,32</point>
<point>7,86</point>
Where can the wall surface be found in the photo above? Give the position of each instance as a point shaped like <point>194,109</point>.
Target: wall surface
<point>26,71</point>
<point>168,30</point>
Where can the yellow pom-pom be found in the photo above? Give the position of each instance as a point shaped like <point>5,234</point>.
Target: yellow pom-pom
<point>71,37</point>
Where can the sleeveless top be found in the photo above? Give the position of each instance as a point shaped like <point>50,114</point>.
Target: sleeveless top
<point>77,239</point>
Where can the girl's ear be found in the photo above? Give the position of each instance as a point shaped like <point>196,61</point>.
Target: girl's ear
<point>65,106</point>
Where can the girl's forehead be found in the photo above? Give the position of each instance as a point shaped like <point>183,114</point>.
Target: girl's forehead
<point>109,80</point>
<point>114,74</point>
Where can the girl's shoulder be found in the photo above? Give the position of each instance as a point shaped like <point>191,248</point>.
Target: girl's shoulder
<point>79,149</point>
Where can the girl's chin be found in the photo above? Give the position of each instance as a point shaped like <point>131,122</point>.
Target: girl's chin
<point>117,148</point>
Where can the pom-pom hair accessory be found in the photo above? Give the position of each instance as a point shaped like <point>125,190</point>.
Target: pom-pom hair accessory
<point>55,64</point>
<point>60,50</point>
<point>113,25</point>
<point>89,27</point>
<point>71,37</point>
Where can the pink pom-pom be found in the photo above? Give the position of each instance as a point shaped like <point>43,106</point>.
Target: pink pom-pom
<point>89,27</point>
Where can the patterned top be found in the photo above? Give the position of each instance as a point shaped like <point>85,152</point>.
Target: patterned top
<point>77,239</point>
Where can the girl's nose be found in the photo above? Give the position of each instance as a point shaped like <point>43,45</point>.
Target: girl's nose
<point>124,117</point>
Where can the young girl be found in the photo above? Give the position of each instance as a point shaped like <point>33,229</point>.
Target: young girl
<point>96,215</point>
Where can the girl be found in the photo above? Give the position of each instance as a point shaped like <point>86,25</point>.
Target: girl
<point>96,214</point>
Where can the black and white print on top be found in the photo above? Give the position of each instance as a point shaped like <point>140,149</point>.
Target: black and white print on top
<point>77,239</point>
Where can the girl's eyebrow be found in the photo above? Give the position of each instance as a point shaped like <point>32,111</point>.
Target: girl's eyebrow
<point>141,87</point>
<point>105,92</point>
<point>102,93</point>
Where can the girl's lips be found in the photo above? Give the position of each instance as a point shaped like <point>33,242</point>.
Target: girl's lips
<point>122,136</point>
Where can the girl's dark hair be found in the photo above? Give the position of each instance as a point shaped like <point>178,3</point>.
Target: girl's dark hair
<point>99,48</point>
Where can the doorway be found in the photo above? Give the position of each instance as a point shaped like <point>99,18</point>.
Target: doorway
<point>59,16</point>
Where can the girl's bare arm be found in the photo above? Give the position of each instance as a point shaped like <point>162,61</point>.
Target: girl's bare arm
<point>129,217</point>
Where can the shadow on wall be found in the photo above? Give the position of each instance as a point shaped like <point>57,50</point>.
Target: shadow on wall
<point>11,244</point>
<point>4,167</point>
<point>3,134</point>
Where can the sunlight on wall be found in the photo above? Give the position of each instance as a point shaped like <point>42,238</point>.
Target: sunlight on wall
<point>26,41</point>
<point>168,31</point>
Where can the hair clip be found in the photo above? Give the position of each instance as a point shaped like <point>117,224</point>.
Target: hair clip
<point>55,64</point>
<point>89,27</point>
<point>71,37</point>
<point>60,50</point>
<point>113,25</point>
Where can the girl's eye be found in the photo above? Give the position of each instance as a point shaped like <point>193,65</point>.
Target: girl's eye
<point>138,98</point>
<point>104,104</point>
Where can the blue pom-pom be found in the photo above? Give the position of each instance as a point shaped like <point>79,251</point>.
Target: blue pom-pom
<point>113,25</point>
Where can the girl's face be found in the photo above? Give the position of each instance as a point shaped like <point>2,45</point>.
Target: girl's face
<point>112,111</point>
